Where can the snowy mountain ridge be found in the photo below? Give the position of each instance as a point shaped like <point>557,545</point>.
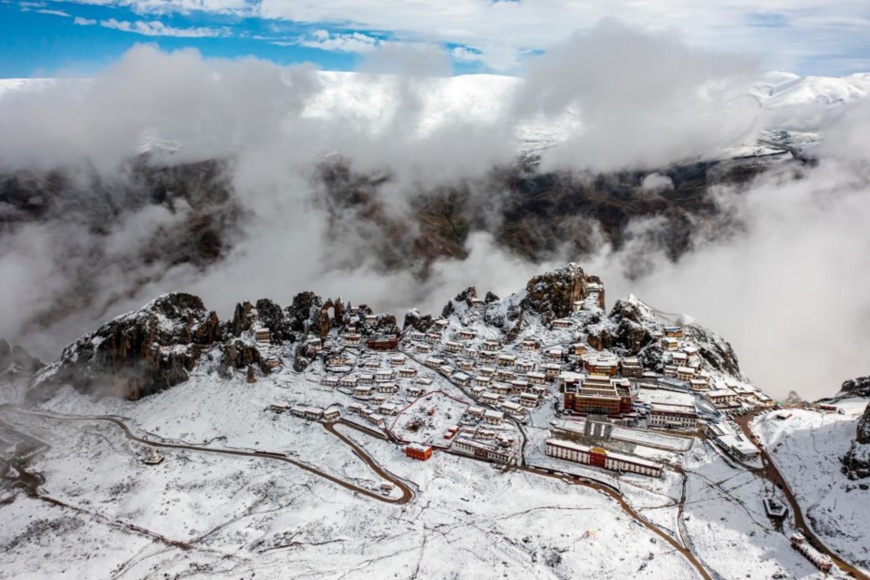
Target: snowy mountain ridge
<point>145,351</point>
<point>322,440</point>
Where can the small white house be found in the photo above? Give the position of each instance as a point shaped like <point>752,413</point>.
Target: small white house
<point>493,417</point>
<point>536,378</point>
<point>490,346</point>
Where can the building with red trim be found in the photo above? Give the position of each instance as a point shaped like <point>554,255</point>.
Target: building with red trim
<point>599,457</point>
<point>418,452</point>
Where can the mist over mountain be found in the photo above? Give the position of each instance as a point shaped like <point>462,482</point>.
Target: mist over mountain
<point>688,178</point>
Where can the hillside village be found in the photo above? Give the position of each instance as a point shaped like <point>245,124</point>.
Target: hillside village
<point>544,381</point>
<point>456,384</point>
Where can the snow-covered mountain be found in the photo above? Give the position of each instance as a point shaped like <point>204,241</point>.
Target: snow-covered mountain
<point>781,89</point>
<point>282,441</point>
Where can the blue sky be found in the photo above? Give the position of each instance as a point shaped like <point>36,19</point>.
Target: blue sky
<point>78,38</point>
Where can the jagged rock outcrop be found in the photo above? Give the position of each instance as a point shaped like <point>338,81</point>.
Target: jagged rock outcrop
<point>461,301</point>
<point>856,463</point>
<point>139,353</point>
<point>386,324</point>
<point>239,355</point>
<point>242,320</point>
<point>304,314</point>
<point>633,322</point>
<point>154,348</point>
<point>552,294</point>
<point>715,350</point>
<point>417,321</point>
<point>271,316</point>
<point>859,387</point>
<point>862,434</point>
<point>16,362</point>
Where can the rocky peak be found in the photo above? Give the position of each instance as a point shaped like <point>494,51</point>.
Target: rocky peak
<point>635,322</point>
<point>243,319</point>
<point>417,321</point>
<point>552,294</point>
<point>16,361</point>
<point>715,350</point>
<point>856,463</point>
<point>461,303</point>
<point>862,434</point>
<point>859,387</point>
<point>304,313</point>
<point>138,353</point>
<point>271,316</point>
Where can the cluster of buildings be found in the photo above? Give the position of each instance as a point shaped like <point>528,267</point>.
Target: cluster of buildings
<point>600,457</point>
<point>307,412</point>
<point>497,450</point>
<point>509,382</point>
<point>732,441</point>
<point>497,378</point>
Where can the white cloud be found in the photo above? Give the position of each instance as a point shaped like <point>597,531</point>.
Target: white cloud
<point>79,21</point>
<point>656,182</point>
<point>794,285</point>
<point>341,42</point>
<point>464,54</point>
<point>53,13</point>
<point>157,28</point>
<point>786,34</point>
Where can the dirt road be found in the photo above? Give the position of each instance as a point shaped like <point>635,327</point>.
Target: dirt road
<point>772,474</point>
<point>407,493</point>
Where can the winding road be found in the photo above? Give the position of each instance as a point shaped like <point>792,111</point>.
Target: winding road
<point>407,493</point>
<point>769,471</point>
<point>772,474</point>
<point>616,495</point>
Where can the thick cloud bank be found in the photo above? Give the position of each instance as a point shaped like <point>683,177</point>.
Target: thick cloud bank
<point>787,288</point>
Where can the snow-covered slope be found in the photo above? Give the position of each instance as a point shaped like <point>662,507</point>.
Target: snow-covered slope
<point>245,488</point>
<point>779,89</point>
<point>808,446</point>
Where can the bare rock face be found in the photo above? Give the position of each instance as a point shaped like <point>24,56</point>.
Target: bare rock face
<point>859,387</point>
<point>15,360</point>
<point>304,314</point>
<point>274,318</point>
<point>243,319</point>
<point>139,353</point>
<point>632,322</point>
<point>856,463</point>
<point>461,301</point>
<point>715,350</point>
<point>420,323</point>
<point>240,355</point>
<point>862,435</point>
<point>552,295</point>
<point>386,324</point>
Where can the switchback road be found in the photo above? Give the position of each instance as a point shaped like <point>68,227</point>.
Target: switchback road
<point>407,493</point>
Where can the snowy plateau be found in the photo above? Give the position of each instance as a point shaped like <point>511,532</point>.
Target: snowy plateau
<point>532,436</point>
